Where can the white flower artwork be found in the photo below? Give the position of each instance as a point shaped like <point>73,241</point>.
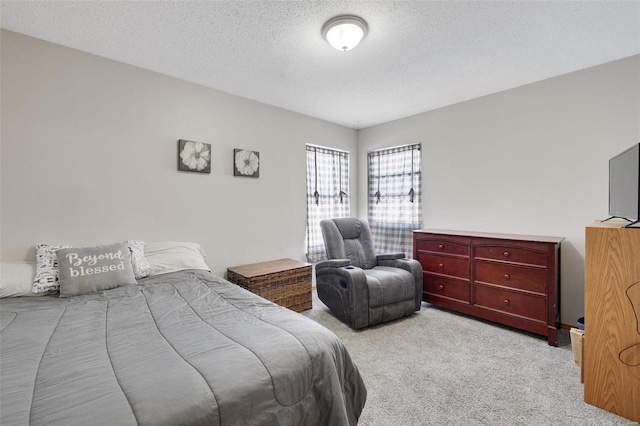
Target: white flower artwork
<point>246,163</point>
<point>194,156</point>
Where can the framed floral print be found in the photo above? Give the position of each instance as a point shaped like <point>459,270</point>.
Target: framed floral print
<point>246,163</point>
<point>194,156</point>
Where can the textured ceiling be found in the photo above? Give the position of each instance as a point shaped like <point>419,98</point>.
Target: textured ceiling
<point>418,55</point>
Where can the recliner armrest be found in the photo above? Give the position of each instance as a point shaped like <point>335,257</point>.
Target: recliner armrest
<point>390,256</point>
<point>412,266</point>
<point>332,263</point>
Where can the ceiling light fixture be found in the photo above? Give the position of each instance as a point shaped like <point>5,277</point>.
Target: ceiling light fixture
<point>345,32</point>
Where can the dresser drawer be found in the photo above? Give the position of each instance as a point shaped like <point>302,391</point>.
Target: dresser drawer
<point>511,254</point>
<point>447,287</point>
<point>443,246</point>
<point>524,305</point>
<point>508,275</point>
<point>445,265</point>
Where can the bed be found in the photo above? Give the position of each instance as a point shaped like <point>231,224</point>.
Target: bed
<point>178,348</point>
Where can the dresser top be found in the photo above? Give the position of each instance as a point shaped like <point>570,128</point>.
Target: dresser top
<point>519,237</point>
<point>613,223</point>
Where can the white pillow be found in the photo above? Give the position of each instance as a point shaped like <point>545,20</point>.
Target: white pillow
<point>165,257</point>
<point>16,278</point>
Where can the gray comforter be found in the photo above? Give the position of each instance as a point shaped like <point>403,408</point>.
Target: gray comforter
<point>186,348</point>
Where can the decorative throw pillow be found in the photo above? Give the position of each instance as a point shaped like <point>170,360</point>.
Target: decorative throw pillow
<point>165,257</point>
<point>89,269</point>
<point>46,279</point>
<point>141,267</point>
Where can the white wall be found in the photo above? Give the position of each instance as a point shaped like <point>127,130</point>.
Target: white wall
<point>88,156</point>
<point>531,160</point>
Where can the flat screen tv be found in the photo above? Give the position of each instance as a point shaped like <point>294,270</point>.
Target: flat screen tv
<point>624,185</point>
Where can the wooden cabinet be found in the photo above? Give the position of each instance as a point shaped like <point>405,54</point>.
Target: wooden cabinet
<point>510,279</point>
<point>611,352</point>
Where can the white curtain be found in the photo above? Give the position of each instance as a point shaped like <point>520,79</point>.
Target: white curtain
<point>327,194</point>
<point>395,197</point>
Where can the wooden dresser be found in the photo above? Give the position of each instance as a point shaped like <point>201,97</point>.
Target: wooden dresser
<point>510,279</point>
<point>611,352</point>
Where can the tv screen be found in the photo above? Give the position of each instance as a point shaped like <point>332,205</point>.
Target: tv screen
<point>624,184</point>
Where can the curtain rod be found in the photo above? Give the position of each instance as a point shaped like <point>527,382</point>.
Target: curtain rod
<point>326,147</point>
<point>397,147</point>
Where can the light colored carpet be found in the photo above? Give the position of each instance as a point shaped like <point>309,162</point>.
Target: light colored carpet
<point>441,368</point>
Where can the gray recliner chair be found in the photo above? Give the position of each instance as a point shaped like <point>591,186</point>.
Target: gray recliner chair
<point>360,287</point>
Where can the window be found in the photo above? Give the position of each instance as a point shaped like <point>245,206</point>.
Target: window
<point>327,194</point>
<point>395,197</point>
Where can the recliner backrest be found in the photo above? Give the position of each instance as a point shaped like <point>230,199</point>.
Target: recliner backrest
<point>349,238</point>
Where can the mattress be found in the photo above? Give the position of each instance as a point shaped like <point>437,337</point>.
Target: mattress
<point>184,348</point>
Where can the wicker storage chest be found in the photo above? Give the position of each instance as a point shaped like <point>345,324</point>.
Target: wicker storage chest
<point>286,282</point>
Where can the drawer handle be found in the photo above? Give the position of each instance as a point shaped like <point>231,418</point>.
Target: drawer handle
<point>441,287</point>
<point>507,254</point>
<point>507,276</point>
<point>440,246</point>
<point>507,301</point>
<point>440,265</point>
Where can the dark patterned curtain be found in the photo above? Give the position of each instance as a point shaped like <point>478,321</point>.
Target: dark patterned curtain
<point>327,194</point>
<point>395,197</point>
